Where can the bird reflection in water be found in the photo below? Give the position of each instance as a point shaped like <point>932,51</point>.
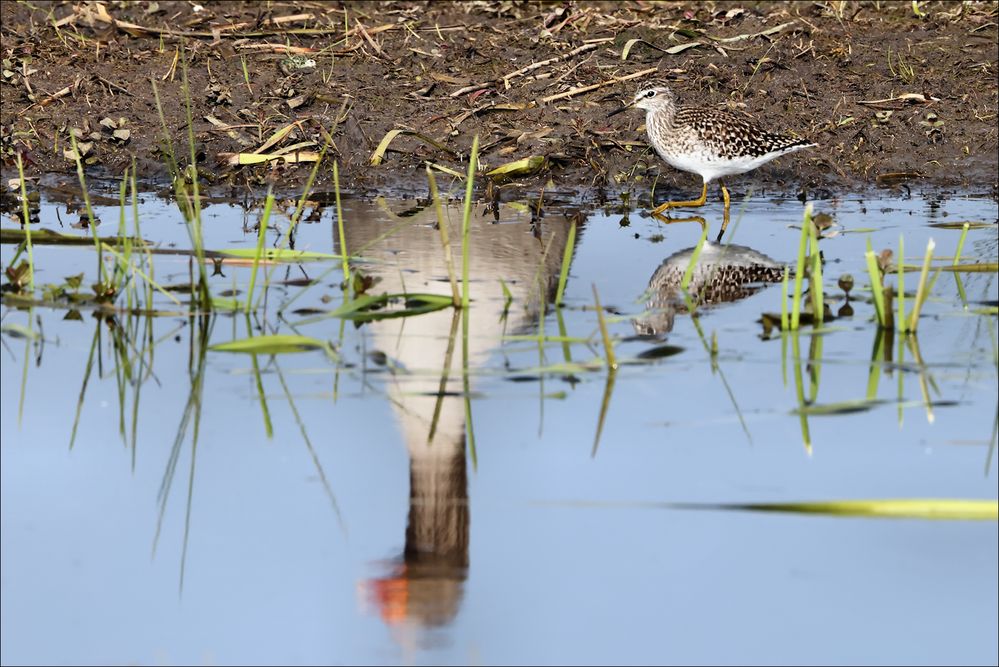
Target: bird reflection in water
<point>724,273</point>
<point>424,586</point>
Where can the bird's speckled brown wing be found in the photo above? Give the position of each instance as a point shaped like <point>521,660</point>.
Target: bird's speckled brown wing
<point>731,136</point>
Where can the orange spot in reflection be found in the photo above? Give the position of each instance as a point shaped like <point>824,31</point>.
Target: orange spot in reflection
<point>391,594</point>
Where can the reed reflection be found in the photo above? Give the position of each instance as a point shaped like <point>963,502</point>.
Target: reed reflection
<point>424,587</point>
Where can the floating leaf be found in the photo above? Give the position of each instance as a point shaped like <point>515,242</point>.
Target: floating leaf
<point>960,225</point>
<point>226,303</point>
<point>978,267</point>
<point>271,344</point>
<point>660,351</point>
<point>368,307</point>
<point>19,331</point>
<point>984,267</point>
<point>279,255</point>
<point>841,408</point>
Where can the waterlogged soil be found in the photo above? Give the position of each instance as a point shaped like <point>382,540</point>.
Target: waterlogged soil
<point>895,94</point>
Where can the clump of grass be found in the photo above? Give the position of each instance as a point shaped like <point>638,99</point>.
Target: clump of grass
<point>882,295</point>
<point>901,69</point>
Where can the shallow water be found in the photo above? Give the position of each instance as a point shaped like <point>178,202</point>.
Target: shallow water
<point>521,531</point>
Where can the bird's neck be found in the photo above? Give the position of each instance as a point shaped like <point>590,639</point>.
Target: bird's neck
<point>663,115</point>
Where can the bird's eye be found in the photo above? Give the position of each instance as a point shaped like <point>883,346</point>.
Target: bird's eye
<point>651,93</point>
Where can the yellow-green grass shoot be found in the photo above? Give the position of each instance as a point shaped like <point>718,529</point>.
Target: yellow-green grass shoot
<point>921,291</point>
<point>815,274</point>
<point>901,284</point>
<point>445,372</point>
<point>92,221</point>
<point>957,258</point>
<point>297,214</point>
<point>134,186</point>
<point>26,220</point>
<point>799,389</point>
<point>180,190</point>
<point>466,222</point>
<point>258,380</point>
<point>874,370</point>
<point>193,165</point>
<point>608,345</point>
<point>951,509</point>
<point>339,223</point>
<point>604,405</point>
<point>877,290</point>
<point>465,381</point>
<point>689,273</point>
<point>246,73</point>
<point>799,271</point>
<point>784,319</point>
<point>121,267</point>
<point>261,235</point>
<point>442,226</point>
<point>566,260</point>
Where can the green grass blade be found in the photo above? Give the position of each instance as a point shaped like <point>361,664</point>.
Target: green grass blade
<point>877,289</point>
<point>799,271</point>
<point>261,235</point>
<point>901,284</point>
<point>566,260</point>
<point>921,291</point>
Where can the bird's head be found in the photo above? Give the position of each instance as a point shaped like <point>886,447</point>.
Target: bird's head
<point>651,97</point>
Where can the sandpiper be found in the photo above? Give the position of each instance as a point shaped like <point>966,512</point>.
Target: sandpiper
<point>706,141</point>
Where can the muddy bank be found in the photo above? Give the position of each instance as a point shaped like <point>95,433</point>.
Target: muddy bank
<point>893,94</point>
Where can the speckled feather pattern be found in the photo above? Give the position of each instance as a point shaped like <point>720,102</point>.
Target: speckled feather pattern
<point>722,134</point>
<point>709,142</point>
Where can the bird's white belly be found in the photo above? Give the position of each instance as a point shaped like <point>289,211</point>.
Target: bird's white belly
<point>713,167</point>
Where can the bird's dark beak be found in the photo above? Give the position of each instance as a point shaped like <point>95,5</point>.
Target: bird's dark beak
<point>622,109</point>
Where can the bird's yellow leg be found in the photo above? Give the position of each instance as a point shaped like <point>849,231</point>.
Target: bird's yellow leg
<point>683,204</point>
<point>728,201</point>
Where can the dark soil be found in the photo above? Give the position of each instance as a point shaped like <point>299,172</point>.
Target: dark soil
<point>404,65</point>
